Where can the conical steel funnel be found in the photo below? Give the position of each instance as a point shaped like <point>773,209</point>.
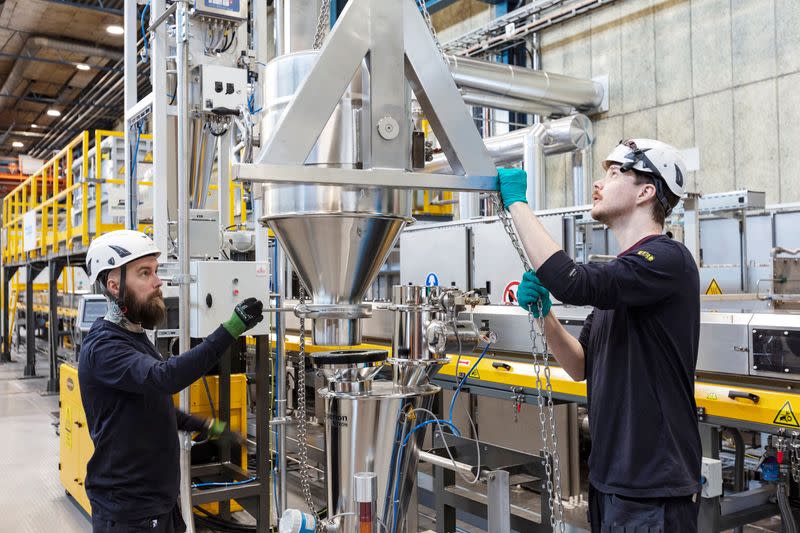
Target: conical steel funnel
<point>337,256</point>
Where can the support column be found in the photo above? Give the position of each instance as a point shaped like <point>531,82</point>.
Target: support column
<point>31,271</point>
<point>224,414</point>
<point>498,506</point>
<point>54,268</point>
<point>263,431</point>
<point>5,353</point>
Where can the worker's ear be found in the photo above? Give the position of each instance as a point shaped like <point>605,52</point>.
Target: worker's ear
<point>647,192</point>
<point>112,283</point>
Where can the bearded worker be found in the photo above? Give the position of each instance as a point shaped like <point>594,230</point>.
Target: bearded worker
<point>133,477</point>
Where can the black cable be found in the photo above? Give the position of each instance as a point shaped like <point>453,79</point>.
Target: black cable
<point>210,401</point>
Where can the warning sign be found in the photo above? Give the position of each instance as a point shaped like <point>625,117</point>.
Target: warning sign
<point>510,293</point>
<point>475,374</point>
<point>713,287</point>
<point>785,416</point>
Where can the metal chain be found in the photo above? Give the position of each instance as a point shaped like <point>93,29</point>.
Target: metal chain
<point>302,436</point>
<point>539,348</point>
<point>323,21</point>
<point>794,456</point>
<point>429,22</point>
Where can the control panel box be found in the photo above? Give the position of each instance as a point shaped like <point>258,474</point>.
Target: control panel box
<point>226,9</point>
<point>711,475</point>
<point>222,87</point>
<point>218,286</point>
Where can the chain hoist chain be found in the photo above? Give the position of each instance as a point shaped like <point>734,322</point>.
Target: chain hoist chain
<point>429,22</point>
<point>794,456</point>
<point>538,340</point>
<point>323,21</point>
<point>302,436</point>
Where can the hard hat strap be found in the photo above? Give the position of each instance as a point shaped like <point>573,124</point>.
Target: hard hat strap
<point>121,294</point>
<point>658,179</point>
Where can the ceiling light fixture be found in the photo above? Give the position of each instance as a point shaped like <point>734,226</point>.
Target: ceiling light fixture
<point>54,112</point>
<point>34,126</point>
<point>17,144</point>
<point>83,66</point>
<point>115,29</point>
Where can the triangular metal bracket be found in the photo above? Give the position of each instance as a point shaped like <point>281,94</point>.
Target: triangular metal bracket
<point>398,47</point>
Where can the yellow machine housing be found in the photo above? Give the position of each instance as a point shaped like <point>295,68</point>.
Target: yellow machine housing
<point>76,446</point>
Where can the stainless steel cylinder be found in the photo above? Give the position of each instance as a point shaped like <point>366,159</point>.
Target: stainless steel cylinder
<point>366,486</point>
<point>336,332</point>
<point>336,237</point>
<point>366,433</point>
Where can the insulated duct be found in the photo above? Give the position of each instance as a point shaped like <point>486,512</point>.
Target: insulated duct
<point>525,84</point>
<point>558,137</point>
<point>32,47</point>
<point>496,101</point>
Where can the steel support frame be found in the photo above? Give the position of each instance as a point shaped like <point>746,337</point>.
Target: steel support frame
<point>31,271</point>
<point>499,464</point>
<point>54,269</point>
<point>258,488</point>
<point>8,273</point>
<point>408,43</point>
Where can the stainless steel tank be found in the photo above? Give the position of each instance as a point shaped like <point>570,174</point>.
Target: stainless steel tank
<point>364,432</point>
<point>337,238</point>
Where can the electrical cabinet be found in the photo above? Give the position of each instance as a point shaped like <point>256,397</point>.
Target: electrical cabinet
<point>226,9</point>
<point>222,87</point>
<point>217,288</point>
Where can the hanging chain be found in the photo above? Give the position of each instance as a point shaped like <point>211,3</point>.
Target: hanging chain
<point>539,348</point>
<point>794,456</point>
<point>302,436</point>
<point>423,7</point>
<point>323,21</point>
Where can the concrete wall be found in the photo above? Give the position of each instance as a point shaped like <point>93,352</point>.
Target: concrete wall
<point>719,75</point>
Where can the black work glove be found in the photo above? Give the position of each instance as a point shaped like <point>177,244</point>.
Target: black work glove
<point>245,316</point>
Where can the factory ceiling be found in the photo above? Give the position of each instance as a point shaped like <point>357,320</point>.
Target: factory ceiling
<point>42,43</point>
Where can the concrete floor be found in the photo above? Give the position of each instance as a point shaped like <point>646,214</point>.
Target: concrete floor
<point>32,499</point>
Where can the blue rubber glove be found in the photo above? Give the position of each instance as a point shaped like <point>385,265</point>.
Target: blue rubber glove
<point>513,185</point>
<point>530,292</point>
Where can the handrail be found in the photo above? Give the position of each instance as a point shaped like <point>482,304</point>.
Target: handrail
<point>51,193</point>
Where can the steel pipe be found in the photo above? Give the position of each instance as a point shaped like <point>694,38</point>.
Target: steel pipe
<point>184,153</point>
<point>525,84</point>
<point>496,101</point>
<point>559,136</point>
<point>446,463</point>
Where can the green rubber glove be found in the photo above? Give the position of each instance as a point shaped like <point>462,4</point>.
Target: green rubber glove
<point>246,315</point>
<point>513,185</point>
<point>530,292</point>
<point>216,428</point>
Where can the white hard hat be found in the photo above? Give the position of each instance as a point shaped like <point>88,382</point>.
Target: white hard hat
<point>117,248</point>
<point>650,156</point>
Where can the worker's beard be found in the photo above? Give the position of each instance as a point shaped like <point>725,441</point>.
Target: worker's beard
<point>149,313</point>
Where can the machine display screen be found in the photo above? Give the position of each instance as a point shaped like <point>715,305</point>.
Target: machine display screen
<point>776,350</point>
<point>93,309</point>
<point>230,5</point>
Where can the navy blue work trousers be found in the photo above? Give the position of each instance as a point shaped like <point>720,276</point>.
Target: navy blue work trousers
<point>167,523</point>
<point>611,513</point>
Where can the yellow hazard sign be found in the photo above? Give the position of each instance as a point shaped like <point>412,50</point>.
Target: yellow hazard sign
<point>785,416</point>
<point>713,287</point>
<point>475,374</point>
